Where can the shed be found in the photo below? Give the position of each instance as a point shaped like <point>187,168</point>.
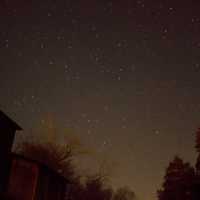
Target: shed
<point>8,129</point>
<point>31,180</point>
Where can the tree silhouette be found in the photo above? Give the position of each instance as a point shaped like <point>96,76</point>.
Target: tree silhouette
<point>178,181</point>
<point>181,180</point>
<point>196,186</point>
<point>76,190</point>
<point>56,157</point>
<point>197,146</point>
<point>124,193</point>
<point>95,189</point>
<point>197,142</point>
<point>47,149</point>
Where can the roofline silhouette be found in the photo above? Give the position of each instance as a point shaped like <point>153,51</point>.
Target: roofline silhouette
<point>14,124</point>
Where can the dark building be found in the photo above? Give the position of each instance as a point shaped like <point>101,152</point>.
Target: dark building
<point>22,178</point>
<point>31,180</point>
<point>7,130</point>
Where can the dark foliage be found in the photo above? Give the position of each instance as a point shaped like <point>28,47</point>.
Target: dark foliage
<point>95,189</point>
<point>178,181</point>
<point>56,157</point>
<point>60,159</point>
<point>182,181</point>
<point>124,193</point>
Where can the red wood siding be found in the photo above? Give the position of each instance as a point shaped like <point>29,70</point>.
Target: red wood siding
<point>23,180</point>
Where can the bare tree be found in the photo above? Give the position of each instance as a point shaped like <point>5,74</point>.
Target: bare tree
<point>56,157</point>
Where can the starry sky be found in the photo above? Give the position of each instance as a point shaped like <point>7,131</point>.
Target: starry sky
<point>123,74</point>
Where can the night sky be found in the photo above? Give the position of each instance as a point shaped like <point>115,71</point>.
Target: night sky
<point>124,75</point>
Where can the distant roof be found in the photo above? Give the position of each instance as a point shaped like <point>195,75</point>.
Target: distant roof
<point>6,120</point>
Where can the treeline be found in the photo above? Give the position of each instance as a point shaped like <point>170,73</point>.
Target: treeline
<point>81,186</point>
<point>182,180</point>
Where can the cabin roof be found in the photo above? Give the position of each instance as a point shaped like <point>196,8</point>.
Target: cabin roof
<point>4,119</point>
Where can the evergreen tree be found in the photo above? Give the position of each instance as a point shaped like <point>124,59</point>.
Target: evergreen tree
<point>178,181</point>
<point>197,144</point>
<point>196,185</point>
